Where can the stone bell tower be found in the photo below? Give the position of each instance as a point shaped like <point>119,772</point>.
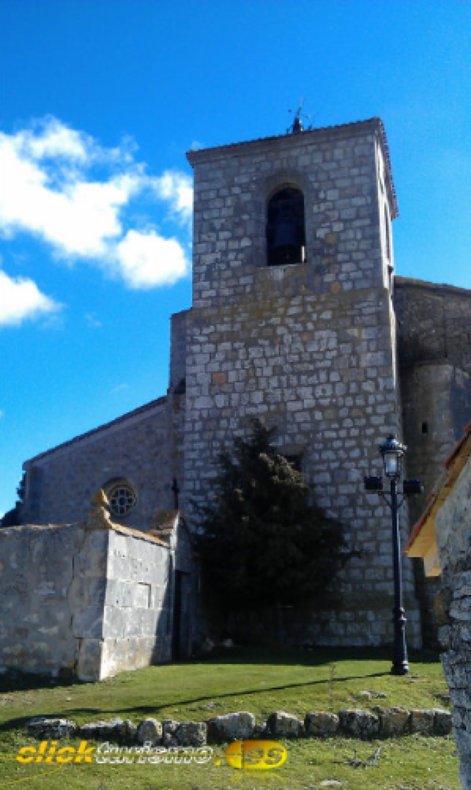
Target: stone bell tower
<point>292,322</point>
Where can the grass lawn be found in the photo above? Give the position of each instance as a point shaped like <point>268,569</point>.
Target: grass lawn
<point>260,681</point>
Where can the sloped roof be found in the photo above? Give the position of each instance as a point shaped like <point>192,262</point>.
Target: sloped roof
<point>439,288</point>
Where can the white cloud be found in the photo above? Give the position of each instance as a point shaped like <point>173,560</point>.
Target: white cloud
<point>77,218</point>
<point>53,139</point>
<point>177,189</point>
<point>147,260</point>
<point>21,299</point>
<point>50,188</point>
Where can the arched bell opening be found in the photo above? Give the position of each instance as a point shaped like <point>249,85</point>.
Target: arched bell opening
<point>286,234</point>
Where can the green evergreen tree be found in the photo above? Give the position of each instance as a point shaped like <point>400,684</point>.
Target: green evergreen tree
<point>11,517</point>
<point>262,540</point>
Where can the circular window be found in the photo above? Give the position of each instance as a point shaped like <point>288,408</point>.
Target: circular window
<point>122,498</point>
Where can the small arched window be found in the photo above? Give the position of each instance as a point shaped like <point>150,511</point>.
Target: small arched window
<point>286,234</point>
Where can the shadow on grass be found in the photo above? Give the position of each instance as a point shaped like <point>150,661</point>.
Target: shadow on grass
<point>25,681</point>
<point>13,724</point>
<point>315,656</point>
<point>16,681</point>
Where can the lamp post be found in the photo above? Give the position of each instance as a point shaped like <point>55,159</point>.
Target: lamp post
<point>392,452</point>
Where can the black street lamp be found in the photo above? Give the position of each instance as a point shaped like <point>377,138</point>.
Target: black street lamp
<point>392,452</point>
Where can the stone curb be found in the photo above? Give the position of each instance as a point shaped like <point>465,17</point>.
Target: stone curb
<point>354,723</point>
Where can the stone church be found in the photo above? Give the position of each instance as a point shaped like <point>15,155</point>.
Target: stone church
<point>299,319</point>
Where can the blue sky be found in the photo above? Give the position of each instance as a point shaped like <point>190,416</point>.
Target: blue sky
<point>99,101</point>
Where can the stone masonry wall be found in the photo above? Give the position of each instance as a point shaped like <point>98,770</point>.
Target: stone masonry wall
<point>80,601</point>
<point>434,347</point>
<point>137,619</point>
<point>176,395</point>
<point>307,348</point>
<point>36,599</point>
<point>61,483</point>
<point>436,404</point>
<point>178,349</point>
<point>434,323</point>
<point>327,396</point>
<point>436,407</point>
<point>341,174</point>
<point>453,532</point>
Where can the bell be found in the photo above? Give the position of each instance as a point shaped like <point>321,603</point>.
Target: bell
<point>287,238</point>
<point>285,228</point>
<point>287,234</point>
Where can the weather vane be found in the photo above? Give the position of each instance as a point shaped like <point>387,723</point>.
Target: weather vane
<point>297,125</point>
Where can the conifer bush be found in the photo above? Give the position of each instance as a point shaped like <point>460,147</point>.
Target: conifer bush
<point>263,540</point>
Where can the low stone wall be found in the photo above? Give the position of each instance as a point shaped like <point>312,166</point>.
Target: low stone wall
<point>137,613</point>
<point>52,585</point>
<point>82,601</point>
<point>354,723</point>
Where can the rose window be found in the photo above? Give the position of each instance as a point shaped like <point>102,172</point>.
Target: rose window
<point>122,499</point>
